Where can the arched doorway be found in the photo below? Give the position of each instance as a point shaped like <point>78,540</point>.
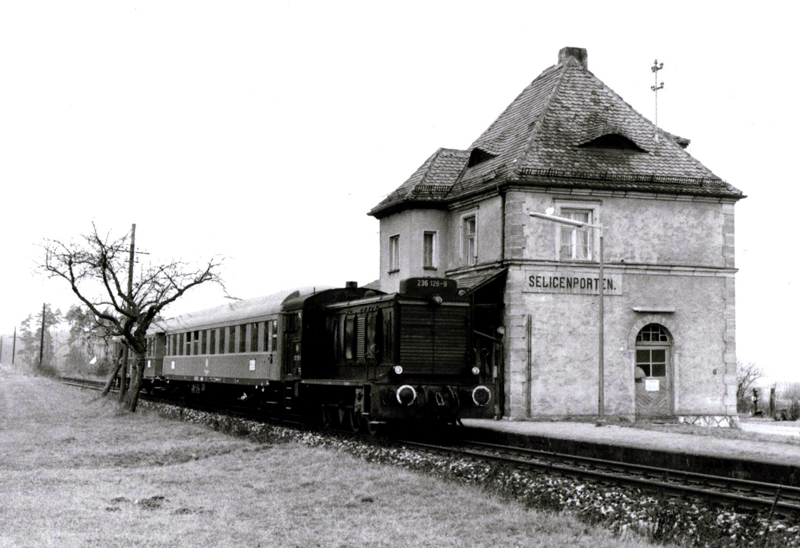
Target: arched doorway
<point>653,373</point>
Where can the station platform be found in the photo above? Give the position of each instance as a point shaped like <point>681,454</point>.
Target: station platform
<point>768,458</point>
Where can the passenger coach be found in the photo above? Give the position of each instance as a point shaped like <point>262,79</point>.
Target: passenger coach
<point>350,356</point>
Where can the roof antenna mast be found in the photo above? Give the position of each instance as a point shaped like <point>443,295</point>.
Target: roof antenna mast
<point>655,87</point>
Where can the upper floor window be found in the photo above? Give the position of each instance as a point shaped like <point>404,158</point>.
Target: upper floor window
<point>469,240</point>
<point>429,249</point>
<point>576,242</point>
<point>394,253</point>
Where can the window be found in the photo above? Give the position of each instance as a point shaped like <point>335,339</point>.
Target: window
<point>576,242</point>
<point>231,339</point>
<point>469,237</point>
<point>429,250</point>
<point>349,337</point>
<point>253,337</point>
<point>242,338</point>
<point>653,361</point>
<point>388,340</point>
<point>212,341</point>
<point>394,253</point>
<point>267,335</point>
<point>274,346</point>
<point>652,333</point>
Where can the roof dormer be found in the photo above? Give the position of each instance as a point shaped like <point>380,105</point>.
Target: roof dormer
<point>613,141</point>
<point>478,156</point>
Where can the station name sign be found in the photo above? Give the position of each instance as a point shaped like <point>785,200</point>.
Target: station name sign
<point>576,283</point>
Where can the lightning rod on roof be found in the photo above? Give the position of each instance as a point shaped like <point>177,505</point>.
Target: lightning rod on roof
<point>655,87</point>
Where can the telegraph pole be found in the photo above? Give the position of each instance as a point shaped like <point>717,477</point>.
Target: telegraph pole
<point>14,347</point>
<point>41,339</point>
<point>124,370</point>
<point>655,87</point>
<point>1,350</point>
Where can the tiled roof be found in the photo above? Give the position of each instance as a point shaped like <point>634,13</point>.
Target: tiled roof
<point>432,181</point>
<point>544,138</point>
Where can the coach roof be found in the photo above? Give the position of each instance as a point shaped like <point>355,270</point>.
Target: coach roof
<point>232,313</point>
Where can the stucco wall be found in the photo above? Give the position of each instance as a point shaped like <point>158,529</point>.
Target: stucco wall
<point>636,230</point>
<point>667,255</point>
<point>410,225</point>
<point>564,344</point>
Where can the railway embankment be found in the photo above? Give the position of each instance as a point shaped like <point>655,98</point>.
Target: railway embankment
<point>78,473</point>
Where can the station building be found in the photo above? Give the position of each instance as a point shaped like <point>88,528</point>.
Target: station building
<point>662,221</point>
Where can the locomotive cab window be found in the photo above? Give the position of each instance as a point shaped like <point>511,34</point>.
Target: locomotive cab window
<point>349,337</point>
<point>388,339</point>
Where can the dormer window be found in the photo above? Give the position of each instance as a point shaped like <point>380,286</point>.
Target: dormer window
<point>478,156</point>
<point>613,141</point>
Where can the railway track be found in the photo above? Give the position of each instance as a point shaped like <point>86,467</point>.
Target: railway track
<point>741,494</point>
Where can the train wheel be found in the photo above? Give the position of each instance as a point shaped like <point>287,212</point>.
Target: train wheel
<point>327,418</point>
<point>372,429</point>
<point>354,420</point>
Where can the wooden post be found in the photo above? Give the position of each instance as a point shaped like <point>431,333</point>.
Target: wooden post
<point>124,370</point>
<point>529,368</point>
<point>41,339</point>
<point>14,347</point>
<point>601,401</point>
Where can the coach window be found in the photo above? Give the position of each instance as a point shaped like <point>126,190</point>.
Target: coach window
<point>253,337</point>
<point>231,339</point>
<point>274,346</point>
<point>266,335</point>
<point>198,347</point>
<point>212,342</point>
<point>222,331</point>
<point>242,339</point>
<point>203,342</point>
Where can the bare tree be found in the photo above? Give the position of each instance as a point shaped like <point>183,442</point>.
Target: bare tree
<point>746,375</point>
<point>96,268</point>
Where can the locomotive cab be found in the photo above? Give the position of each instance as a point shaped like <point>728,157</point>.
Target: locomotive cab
<point>393,358</point>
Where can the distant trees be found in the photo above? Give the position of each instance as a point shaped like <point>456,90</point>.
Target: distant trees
<point>125,300</point>
<point>746,375</point>
<point>89,341</point>
<point>30,341</point>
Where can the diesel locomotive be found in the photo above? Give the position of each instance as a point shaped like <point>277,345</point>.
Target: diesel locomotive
<point>352,357</point>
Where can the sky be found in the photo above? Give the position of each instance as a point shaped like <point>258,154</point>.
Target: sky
<point>263,132</point>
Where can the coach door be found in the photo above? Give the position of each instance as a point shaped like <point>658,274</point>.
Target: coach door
<point>653,371</point>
